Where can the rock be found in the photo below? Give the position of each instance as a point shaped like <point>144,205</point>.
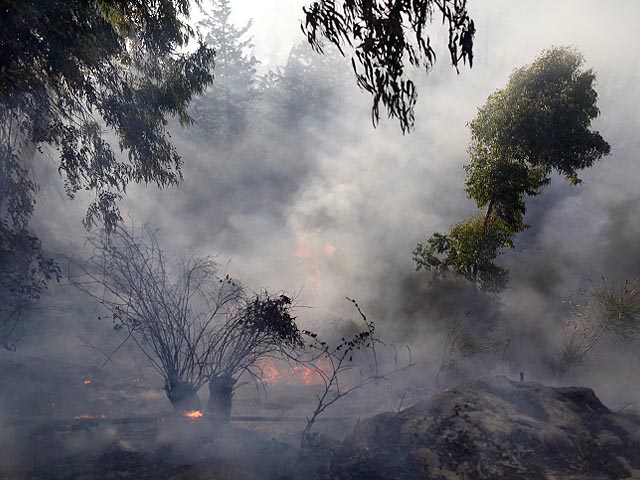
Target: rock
<point>495,428</point>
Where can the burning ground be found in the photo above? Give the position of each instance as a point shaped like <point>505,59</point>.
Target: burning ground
<point>491,428</point>
<point>65,421</point>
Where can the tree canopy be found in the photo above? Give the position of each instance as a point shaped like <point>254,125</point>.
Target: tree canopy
<point>70,71</point>
<point>539,123</point>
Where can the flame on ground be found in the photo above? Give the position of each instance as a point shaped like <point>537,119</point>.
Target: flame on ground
<point>87,382</point>
<point>287,375</point>
<point>193,414</point>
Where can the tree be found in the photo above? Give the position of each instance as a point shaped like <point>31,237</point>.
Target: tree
<point>69,70</point>
<point>303,90</point>
<point>261,327</point>
<point>193,325</point>
<point>539,123</point>
<point>468,250</point>
<point>84,66</point>
<point>221,111</point>
<point>24,271</point>
<point>386,37</point>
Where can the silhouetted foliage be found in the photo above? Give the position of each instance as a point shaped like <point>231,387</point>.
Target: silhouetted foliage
<point>332,365</point>
<point>539,123</point>
<point>69,72</point>
<point>24,271</point>
<point>262,326</point>
<point>387,37</point>
<point>24,267</point>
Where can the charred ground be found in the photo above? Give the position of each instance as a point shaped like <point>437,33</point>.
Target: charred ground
<point>490,428</point>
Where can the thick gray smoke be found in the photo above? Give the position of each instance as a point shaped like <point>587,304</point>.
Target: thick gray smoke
<point>332,207</point>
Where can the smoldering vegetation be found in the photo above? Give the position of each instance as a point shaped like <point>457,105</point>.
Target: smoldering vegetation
<point>290,189</point>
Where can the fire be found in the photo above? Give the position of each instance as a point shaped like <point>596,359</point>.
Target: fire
<point>304,252</point>
<point>87,382</point>
<point>270,373</point>
<point>313,257</point>
<point>329,250</point>
<point>286,375</point>
<point>193,414</point>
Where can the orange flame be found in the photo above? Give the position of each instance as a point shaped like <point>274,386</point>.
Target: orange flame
<point>87,382</point>
<point>286,375</point>
<point>329,250</point>
<point>193,414</point>
<point>310,254</point>
<point>304,252</point>
<point>270,373</point>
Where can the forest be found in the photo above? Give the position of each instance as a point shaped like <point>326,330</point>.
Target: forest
<point>351,239</point>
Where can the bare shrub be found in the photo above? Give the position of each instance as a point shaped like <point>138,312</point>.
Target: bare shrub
<point>333,364</point>
<point>460,345</point>
<point>193,324</point>
<point>261,326</point>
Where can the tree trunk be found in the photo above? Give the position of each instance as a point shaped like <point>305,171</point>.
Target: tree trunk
<point>183,397</point>
<point>220,396</point>
<point>487,214</point>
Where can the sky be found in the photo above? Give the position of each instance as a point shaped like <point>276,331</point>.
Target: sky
<point>276,26</point>
<point>340,214</point>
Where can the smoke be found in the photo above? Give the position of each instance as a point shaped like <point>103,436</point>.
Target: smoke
<point>309,198</point>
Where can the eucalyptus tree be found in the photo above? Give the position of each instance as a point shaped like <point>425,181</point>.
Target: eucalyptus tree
<point>70,71</point>
<point>538,124</point>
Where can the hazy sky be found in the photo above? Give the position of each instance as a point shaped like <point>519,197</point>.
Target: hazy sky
<point>276,26</point>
